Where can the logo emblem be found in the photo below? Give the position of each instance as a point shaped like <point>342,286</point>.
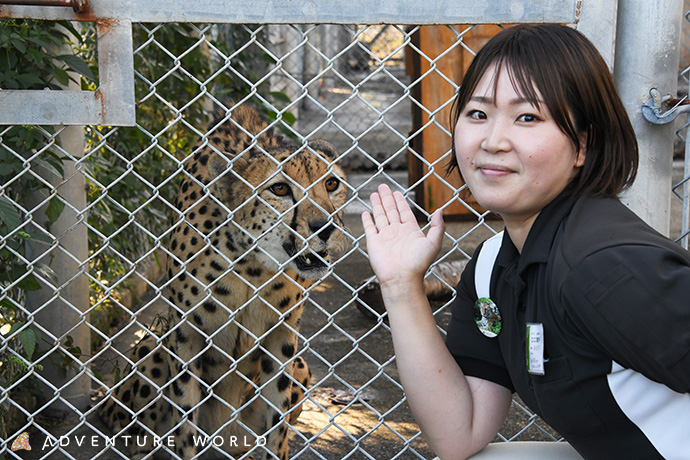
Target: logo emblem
<point>487,317</point>
<point>22,442</point>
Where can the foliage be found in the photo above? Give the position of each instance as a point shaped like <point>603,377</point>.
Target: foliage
<point>28,60</point>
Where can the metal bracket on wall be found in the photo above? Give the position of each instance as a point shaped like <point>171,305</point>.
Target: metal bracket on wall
<point>112,104</point>
<point>653,110</point>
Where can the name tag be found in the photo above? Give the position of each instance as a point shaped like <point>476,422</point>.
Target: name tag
<point>535,348</point>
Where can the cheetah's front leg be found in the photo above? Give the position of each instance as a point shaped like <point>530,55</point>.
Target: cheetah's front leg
<point>276,366</point>
<point>185,345</point>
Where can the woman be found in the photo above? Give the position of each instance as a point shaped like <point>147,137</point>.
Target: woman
<point>589,308</point>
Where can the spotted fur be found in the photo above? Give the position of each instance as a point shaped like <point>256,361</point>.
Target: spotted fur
<point>258,220</point>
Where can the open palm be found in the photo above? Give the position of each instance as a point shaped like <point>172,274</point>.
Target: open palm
<point>398,249</point>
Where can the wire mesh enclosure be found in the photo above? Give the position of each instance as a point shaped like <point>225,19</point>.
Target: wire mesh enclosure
<point>681,185</point>
<point>90,240</point>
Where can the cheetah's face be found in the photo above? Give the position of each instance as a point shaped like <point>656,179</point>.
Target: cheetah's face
<point>293,210</point>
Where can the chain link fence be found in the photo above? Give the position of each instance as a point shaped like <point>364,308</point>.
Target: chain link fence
<point>681,177</point>
<point>378,93</point>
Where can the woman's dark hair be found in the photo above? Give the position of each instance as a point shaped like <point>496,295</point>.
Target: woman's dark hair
<point>575,84</point>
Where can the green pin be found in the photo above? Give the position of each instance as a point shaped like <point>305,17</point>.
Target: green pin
<point>487,317</point>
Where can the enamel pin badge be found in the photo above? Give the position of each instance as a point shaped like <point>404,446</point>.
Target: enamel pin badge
<point>487,317</point>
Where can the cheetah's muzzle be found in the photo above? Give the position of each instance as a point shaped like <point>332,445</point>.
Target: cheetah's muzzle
<point>309,261</point>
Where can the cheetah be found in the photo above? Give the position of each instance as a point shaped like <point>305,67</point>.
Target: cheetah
<point>259,219</point>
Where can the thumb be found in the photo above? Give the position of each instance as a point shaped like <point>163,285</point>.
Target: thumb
<point>437,228</point>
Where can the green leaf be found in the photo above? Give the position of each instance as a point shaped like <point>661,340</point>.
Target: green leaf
<point>28,339</point>
<point>280,96</point>
<point>55,207</point>
<point>70,28</point>
<point>11,83</point>
<point>9,215</point>
<point>40,238</point>
<point>19,45</point>
<point>8,304</point>
<point>61,76</point>
<point>37,41</point>
<point>9,169</point>
<point>78,65</point>
<point>53,166</point>
<point>29,284</point>
<point>16,326</point>
<point>289,118</point>
<point>29,79</point>
<point>15,272</point>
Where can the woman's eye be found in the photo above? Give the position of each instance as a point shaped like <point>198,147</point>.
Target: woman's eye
<point>280,189</point>
<point>476,115</point>
<point>332,184</point>
<point>528,118</point>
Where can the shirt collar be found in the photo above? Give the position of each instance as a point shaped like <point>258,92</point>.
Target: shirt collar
<point>540,237</point>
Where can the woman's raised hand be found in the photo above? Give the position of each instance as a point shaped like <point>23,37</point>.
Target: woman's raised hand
<point>399,252</point>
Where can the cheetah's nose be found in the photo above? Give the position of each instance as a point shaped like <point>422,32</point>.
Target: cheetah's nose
<point>322,227</point>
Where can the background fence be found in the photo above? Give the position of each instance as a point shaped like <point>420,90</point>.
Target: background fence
<point>86,209</point>
<point>681,186</point>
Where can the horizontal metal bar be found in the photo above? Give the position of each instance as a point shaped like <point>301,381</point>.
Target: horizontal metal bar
<point>76,5</point>
<point>28,107</point>
<point>111,105</point>
<point>313,11</point>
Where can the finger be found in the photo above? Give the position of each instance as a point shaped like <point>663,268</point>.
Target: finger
<point>389,204</point>
<point>377,210</point>
<point>437,228</point>
<point>368,224</point>
<point>406,214</point>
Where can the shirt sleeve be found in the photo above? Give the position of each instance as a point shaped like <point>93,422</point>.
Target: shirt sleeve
<point>633,302</point>
<point>477,355</point>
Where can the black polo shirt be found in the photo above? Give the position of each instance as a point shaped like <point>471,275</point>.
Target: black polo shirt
<point>613,296</point>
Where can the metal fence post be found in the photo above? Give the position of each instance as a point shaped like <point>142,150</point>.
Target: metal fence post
<point>647,56</point>
<point>60,309</point>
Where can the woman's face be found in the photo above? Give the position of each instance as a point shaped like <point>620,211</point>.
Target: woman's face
<point>512,155</point>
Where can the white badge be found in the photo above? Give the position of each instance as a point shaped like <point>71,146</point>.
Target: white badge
<point>535,348</point>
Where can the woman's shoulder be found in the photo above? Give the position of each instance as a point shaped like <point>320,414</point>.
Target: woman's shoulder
<point>598,224</point>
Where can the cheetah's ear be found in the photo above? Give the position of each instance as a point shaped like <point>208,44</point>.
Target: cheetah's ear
<point>324,148</point>
<point>222,173</point>
<point>226,165</point>
<point>217,165</point>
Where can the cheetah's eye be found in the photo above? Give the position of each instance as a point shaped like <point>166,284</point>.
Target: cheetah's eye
<point>332,184</point>
<point>280,189</point>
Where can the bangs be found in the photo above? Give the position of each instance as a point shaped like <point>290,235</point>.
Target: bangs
<point>523,84</point>
<point>534,79</point>
<point>521,79</point>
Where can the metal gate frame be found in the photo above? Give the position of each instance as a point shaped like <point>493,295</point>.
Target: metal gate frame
<point>113,103</point>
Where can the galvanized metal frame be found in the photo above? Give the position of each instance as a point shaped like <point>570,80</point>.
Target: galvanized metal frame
<point>113,103</point>
<point>312,11</point>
